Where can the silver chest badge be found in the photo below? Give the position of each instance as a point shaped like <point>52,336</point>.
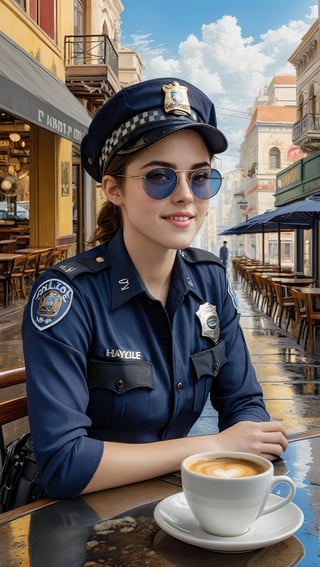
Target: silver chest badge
<point>210,324</point>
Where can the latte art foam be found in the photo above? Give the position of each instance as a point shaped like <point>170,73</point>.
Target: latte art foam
<point>226,467</point>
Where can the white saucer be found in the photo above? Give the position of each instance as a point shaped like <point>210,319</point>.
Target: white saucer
<point>174,516</point>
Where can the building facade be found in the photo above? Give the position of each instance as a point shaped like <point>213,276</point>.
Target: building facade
<point>60,60</point>
<point>302,179</point>
<point>267,148</point>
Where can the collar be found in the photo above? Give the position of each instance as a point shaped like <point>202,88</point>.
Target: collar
<point>126,282</point>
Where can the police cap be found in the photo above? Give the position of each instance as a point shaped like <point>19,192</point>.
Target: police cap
<point>139,115</point>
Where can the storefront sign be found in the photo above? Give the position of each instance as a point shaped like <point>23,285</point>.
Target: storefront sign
<point>289,177</point>
<point>53,123</point>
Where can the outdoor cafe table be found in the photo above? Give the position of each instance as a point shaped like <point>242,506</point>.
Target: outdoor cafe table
<point>7,257</point>
<point>294,281</point>
<point>33,250</point>
<point>315,294</point>
<point>66,533</point>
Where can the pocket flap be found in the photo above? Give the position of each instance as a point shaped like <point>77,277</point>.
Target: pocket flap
<point>209,362</point>
<point>120,376</point>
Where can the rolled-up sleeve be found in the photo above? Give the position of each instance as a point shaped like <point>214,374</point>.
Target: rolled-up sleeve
<point>57,392</point>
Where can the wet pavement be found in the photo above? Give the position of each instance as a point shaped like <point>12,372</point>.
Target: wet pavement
<point>290,376</point>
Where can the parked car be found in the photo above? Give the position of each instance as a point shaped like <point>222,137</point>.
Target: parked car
<point>21,212</point>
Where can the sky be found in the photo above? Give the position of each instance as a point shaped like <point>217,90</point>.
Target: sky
<point>230,49</point>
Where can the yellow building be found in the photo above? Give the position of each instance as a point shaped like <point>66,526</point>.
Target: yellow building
<point>41,121</point>
<point>60,61</point>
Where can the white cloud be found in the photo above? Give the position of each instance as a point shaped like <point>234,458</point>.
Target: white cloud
<point>230,68</point>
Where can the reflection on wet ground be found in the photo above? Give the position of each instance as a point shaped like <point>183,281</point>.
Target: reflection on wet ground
<point>290,376</point>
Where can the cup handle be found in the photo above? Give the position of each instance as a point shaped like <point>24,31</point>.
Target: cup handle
<point>282,501</point>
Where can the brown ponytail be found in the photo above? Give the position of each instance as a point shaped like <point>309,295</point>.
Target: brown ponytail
<point>109,218</point>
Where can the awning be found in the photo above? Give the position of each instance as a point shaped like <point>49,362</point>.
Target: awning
<point>29,91</point>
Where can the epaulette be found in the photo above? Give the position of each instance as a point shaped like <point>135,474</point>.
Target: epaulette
<point>92,261</point>
<point>194,255</point>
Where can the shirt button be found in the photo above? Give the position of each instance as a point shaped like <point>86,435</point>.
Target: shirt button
<point>179,386</point>
<point>120,384</point>
<point>216,366</point>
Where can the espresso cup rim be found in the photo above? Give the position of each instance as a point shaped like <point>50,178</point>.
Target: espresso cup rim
<point>230,454</point>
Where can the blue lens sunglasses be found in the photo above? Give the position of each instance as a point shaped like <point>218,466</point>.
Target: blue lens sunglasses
<point>160,183</point>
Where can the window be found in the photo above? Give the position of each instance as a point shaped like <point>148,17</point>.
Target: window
<point>274,158</point>
<point>78,17</point>
<point>43,12</point>
<point>21,3</point>
<point>287,251</point>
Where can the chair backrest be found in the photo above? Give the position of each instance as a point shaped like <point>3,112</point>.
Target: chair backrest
<point>279,292</point>
<point>300,301</point>
<point>44,261</point>
<point>11,409</point>
<point>63,249</point>
<point>31,267</point>
<point>8,247</point>
<point>55,257</point>
<point>23,241</point>
<point>32,261</point>
<point>18,264</point>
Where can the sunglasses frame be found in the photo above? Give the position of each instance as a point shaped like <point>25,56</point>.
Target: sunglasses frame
<point>174,181</point>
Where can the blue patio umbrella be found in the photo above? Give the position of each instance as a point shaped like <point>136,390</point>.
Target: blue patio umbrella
<point>265,223</point>
<point>305,211</point>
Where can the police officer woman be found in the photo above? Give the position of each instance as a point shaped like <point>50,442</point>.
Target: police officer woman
<point>125,342</point>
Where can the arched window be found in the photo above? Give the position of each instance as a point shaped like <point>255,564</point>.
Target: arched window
<point>274,158</point>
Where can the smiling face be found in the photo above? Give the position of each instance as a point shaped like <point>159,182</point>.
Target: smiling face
<point>172,222</point>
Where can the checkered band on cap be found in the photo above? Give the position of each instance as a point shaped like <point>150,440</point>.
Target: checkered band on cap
<point>119,136</point>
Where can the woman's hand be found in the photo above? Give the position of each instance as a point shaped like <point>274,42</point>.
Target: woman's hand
<point>267,438</point>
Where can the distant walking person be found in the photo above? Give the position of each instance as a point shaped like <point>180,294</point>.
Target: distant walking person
<point>224,253</point>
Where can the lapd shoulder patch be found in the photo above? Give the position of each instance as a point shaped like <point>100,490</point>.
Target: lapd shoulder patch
<point>50,303</point>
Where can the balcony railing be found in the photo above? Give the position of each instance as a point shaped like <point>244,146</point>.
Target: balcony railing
<point>91,64</point>
<point>306,132</point>
<point>90,50</point>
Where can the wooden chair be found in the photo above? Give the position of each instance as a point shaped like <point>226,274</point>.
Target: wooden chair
<point>54,257</point>
<point>265,293</point>
<point>63,250</point>
<point>9,247</point>
<point>16,278</point>
<point>13,281</point>
<point>30,269</point>
<point>12,409</point>
<point>300,300</point>
<point>43,263</point>
<point>14,416</point>
<point>313,320</point>
<point>272,298</point>
<point>286,304</point>
<point>23,241</point>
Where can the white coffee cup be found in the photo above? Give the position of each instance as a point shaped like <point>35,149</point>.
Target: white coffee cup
<point>227,491</point>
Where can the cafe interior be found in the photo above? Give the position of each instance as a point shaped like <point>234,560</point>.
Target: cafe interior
<point>14,176</point>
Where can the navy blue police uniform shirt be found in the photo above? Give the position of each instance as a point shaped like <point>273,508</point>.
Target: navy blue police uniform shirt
<point>106,361</point>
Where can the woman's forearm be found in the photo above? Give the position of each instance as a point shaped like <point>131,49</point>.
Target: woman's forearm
<point>126,463</point>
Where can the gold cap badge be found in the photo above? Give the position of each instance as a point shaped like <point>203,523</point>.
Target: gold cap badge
<point>210,324</point>
<point>176,99</point>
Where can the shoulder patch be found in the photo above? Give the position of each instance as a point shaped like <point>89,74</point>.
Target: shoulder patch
<point>50,303</point>
<point>199,255</point>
